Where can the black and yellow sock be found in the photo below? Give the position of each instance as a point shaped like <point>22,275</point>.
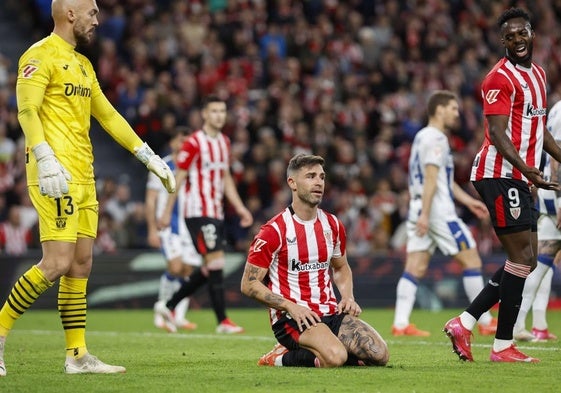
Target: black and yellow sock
<point>24,293</point>
<point>72,308</point>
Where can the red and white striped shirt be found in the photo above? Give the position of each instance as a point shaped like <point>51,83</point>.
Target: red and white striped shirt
<point>520,93</point>
<point>206,159</point>
<point>14,239</point>
<point>298,255</point>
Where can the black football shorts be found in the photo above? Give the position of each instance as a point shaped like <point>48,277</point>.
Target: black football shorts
<point>510,204</point>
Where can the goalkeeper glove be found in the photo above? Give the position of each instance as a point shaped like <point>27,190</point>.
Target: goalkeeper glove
<point>156,165</point>
<point>53,177</point>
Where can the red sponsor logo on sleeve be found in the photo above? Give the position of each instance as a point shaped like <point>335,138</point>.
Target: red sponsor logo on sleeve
<point>28,70</point>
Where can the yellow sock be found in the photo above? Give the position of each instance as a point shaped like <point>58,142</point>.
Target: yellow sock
<point>72,308</point>
<point>25,291</point>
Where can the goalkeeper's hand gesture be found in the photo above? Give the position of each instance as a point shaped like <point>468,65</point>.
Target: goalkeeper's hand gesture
<point>156,165</point>
<point>53,177</point>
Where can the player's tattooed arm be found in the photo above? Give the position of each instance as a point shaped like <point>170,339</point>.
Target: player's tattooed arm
<point>273,300</point>
<point>252,286</point>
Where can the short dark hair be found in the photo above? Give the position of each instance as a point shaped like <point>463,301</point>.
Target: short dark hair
<point>179,130</point>
<point>439,98</point>
<point>302,160</point>
<point>210,99</point>
<point>512,13</point>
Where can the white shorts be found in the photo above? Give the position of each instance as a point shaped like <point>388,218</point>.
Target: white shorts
<point>175,245</point>
<point>547,227</point>
<point>450,236</point>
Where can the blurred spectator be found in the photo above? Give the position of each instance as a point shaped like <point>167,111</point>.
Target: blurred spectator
<point>3,207</point>
<point>384,201</point>
<point>361,231</point>
<point>346,80</point>
<point>4,67</point>
<point>136,228</point>
<point>28,214</point>
<point>14,237</point>
<point>106,188</point>
<point>113,23</point>
<point>120,205</point>
<point>7,180</point>
<point>105,242</point>
<point>7,146</point>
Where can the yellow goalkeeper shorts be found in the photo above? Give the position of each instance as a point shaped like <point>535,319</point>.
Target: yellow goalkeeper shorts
<point>65,219</point>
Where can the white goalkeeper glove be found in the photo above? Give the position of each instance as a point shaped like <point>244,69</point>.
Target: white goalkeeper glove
<point>156,165</point>
<point>53,177</point>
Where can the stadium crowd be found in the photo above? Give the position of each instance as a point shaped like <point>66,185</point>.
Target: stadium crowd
<point>347,80</point>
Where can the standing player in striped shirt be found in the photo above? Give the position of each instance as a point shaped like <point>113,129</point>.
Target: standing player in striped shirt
<point>204,161</point>
<point>514,105</point>
<point>290,267</point>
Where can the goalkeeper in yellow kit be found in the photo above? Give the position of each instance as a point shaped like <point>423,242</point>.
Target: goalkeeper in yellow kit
<point>57,93</point>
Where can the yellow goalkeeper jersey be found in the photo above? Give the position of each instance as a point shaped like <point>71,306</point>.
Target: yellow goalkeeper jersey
<point>57,93</point>
<point>69,84</point>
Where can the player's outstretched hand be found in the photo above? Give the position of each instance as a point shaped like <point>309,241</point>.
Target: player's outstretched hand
<point>535,176</point>
<point>549,185</point>
<point>53,177</point>
<point>156,165</point>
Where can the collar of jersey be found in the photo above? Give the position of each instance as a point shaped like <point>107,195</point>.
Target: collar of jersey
<point>59,41</point>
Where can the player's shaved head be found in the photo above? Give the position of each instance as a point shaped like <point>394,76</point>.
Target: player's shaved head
<point>60,7</point>
<point>75,20</point>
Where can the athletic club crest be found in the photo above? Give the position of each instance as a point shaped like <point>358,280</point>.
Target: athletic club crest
<point>515,212</point>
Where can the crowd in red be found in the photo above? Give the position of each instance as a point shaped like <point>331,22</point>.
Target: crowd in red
<point>344,79</point>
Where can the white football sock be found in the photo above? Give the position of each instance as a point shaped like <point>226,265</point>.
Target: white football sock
<point>181,310</point>
<point>501,345</point>
<point>468,321</point>
<point>405,300</point>
<point>168,285</point>
<point>473,284</point>
<point>529,294</point>
<point>539,307</point>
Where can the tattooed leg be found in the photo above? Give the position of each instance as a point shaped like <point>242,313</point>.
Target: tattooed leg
<point>363,342</point>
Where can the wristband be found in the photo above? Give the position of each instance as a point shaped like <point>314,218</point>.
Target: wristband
<point>144,153</point>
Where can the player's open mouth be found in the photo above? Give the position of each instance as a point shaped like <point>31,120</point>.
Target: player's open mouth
<point>522,50</point>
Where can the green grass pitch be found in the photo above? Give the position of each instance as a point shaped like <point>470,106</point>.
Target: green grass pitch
<point>202,361</point>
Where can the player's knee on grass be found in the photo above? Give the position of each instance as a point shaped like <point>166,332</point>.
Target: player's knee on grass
<point>370,347</point>
<point>380,356</point>
<point>333,356</point>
